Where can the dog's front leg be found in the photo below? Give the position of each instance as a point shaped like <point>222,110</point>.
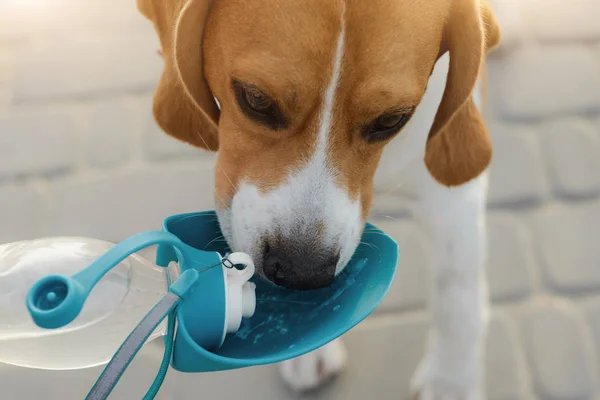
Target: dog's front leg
<point>311,370</point>
<point>453,364</point>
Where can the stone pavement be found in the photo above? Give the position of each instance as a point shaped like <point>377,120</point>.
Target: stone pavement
<point>79,149</point>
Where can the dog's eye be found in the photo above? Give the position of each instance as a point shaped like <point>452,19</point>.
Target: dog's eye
<point>389,121</point>
<point>258,106</point>
<point>386,126</point>
<point>257,100</point>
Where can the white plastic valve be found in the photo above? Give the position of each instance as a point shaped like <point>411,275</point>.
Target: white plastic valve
<point>241,296</point>
<point>248,299</point>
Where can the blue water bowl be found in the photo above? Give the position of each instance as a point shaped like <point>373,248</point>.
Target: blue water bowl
<point>287,323</point>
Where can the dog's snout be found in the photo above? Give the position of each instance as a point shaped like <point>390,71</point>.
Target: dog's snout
<point>309,269</point>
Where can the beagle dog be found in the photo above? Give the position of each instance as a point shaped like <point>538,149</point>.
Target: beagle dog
<point>299,99</point>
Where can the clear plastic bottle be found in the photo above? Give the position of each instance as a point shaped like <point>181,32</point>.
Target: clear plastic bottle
<point>114,307</point>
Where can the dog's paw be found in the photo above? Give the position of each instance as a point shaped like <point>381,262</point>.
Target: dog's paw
<point>312,370</point>
<point>431,381</point>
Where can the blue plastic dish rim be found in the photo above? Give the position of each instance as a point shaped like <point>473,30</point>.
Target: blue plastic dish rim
<point>243,362</point>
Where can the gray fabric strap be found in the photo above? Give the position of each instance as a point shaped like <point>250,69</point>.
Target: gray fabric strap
<point>134,342</point>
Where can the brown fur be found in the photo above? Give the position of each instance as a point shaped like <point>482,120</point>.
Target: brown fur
<point>459,147</point>
<point>286,48</point>
<point>183,106</point>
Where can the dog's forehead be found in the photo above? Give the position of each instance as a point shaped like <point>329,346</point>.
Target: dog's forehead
<point>278,26</point>
<point>296,40</point>
<point>393,33</point>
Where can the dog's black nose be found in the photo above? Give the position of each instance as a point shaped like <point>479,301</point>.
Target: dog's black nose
<point>286,266</point>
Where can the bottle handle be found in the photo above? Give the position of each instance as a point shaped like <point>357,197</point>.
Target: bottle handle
<point>56,300</point>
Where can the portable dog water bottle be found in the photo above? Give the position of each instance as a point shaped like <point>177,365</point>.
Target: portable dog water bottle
<point>281,324</point>
<point>47,339</point>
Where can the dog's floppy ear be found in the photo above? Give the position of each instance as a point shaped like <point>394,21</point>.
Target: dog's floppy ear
<point>459,147</point>
<point>184,106</point>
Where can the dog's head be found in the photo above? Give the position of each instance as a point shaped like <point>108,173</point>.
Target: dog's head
<point>308,93</point>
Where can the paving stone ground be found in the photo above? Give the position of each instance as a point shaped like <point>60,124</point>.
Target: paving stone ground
<point>81,155</point>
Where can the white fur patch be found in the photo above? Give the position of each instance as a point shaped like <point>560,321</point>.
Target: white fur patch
<point>305,199</point>
<point>453,366</point>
